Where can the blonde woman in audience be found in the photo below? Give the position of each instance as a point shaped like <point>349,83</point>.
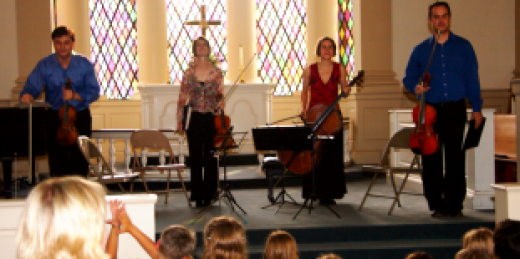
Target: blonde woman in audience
<point>329,256</point>
<point>224,237</point>
<point>474,253</point>
<point>280,245</point>
<point>419,255</point>
<point>63,218</point>
<point>481,238</point>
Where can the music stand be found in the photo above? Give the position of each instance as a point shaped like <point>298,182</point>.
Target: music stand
<point>282,138</point>
<point>298,138</point>
<point>223,190</point>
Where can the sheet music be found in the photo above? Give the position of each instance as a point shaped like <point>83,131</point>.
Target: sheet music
<point>186,116</point>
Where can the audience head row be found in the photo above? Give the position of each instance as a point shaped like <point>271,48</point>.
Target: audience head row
<point>65,218</point>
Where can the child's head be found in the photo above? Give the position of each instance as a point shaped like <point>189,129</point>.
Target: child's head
<point>280,245</point>
<point>329,256</point>
<point>419,255</point>
<point>474,253</point>
<point>481,238</point>
<point>177,242</point>
<point>224,237</point>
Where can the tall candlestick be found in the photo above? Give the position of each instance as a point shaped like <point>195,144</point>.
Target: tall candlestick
<point>240,57</point>
<point>241,60</point>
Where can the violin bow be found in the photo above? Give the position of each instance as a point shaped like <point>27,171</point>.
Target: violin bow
<point>421,80</point>
<point>235,84</point>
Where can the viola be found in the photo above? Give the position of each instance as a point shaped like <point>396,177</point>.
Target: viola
<point>424,140</point>
<point>325,120</point>
<point>222,126</point>
<point>67,132</point>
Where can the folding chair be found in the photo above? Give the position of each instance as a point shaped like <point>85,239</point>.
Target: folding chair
<point>155,140</point>
<point>99,169</point>
<point>399,140</point>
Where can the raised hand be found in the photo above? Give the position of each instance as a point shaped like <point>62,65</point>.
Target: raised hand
<point>115,209</point>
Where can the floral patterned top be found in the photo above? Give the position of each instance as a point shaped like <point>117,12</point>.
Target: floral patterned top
<point>202,96</point>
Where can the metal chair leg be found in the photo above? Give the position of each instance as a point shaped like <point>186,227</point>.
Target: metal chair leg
<point>368,191</point>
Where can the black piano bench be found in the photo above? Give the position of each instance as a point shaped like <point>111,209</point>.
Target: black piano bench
<point>274,168</point>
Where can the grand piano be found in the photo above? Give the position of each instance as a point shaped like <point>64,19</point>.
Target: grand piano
<point>14,139</point>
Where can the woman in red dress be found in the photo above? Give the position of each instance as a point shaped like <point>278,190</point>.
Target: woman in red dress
<point>322,79</point>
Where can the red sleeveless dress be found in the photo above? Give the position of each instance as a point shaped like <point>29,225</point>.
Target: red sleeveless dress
<point>324,92</point>
<point>329,181</point>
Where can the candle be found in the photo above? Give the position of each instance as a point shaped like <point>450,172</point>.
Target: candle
<point>240,56</point>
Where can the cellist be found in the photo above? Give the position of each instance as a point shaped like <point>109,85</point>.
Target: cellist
<point>201,86</point>
<point>454,78</point>
<point>320,86</point>
<point>53,72</point>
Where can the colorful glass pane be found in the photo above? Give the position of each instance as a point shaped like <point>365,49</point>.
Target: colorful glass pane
<point>181,36</point>
<point>345,35</point>
<point>281,29</point>
<point>113,43</point>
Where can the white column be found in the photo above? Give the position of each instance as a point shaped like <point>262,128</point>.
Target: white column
<point>241,30</point>
<point>322,21</point>
<point>151,41</point>
<point>75,15</point>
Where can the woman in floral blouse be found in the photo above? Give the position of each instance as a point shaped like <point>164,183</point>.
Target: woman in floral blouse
<point>201,87</point>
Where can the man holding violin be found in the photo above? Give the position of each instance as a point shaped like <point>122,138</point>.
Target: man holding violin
<point>53,72</point>
<point>454,78</point>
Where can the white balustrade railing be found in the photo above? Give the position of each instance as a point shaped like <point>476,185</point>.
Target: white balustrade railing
<point>178,146</point>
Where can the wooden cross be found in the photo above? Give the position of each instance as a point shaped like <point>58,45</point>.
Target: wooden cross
<point>203,23</point>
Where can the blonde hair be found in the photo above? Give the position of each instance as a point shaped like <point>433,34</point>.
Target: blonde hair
<point>177,241</point>
<point>419,255</point>
<point>224,237</point>
<point>329,256</point>
<point>63,218</point>
<point>281,245</point>
<point>474,253</point>
<point>481,238</point>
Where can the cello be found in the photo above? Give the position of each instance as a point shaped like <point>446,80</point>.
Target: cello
<point>222,121</point>
<point>325,120</point>
<point>67,132</point>
<point>424,140</point>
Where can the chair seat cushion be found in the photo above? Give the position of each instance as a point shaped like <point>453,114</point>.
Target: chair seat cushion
<point>272,163</point>
<point>117,178</point>
<point>162,167</point>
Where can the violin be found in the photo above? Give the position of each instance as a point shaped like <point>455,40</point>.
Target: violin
<point>67,132</point>
<point>222,121</point>
<point>222,126</point>
<point>325,120</point>
<point>424,140</point>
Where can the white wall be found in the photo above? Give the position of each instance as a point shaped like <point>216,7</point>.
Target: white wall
<point>488,25</point>
<point>8,48</point>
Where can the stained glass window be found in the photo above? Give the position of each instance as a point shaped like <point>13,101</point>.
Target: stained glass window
<point>346,38</point>
<point>114,46</point>
<point>281,29</point>
<point>180,36</point>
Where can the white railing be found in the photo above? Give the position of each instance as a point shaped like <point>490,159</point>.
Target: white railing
<point>112,135</point>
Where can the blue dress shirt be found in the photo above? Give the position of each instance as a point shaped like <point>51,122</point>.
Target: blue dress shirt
<point>453,71</point>
<point>50,74</point>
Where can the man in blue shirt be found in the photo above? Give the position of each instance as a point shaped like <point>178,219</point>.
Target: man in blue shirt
<point>52,72</point>
<point>454,78</point>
